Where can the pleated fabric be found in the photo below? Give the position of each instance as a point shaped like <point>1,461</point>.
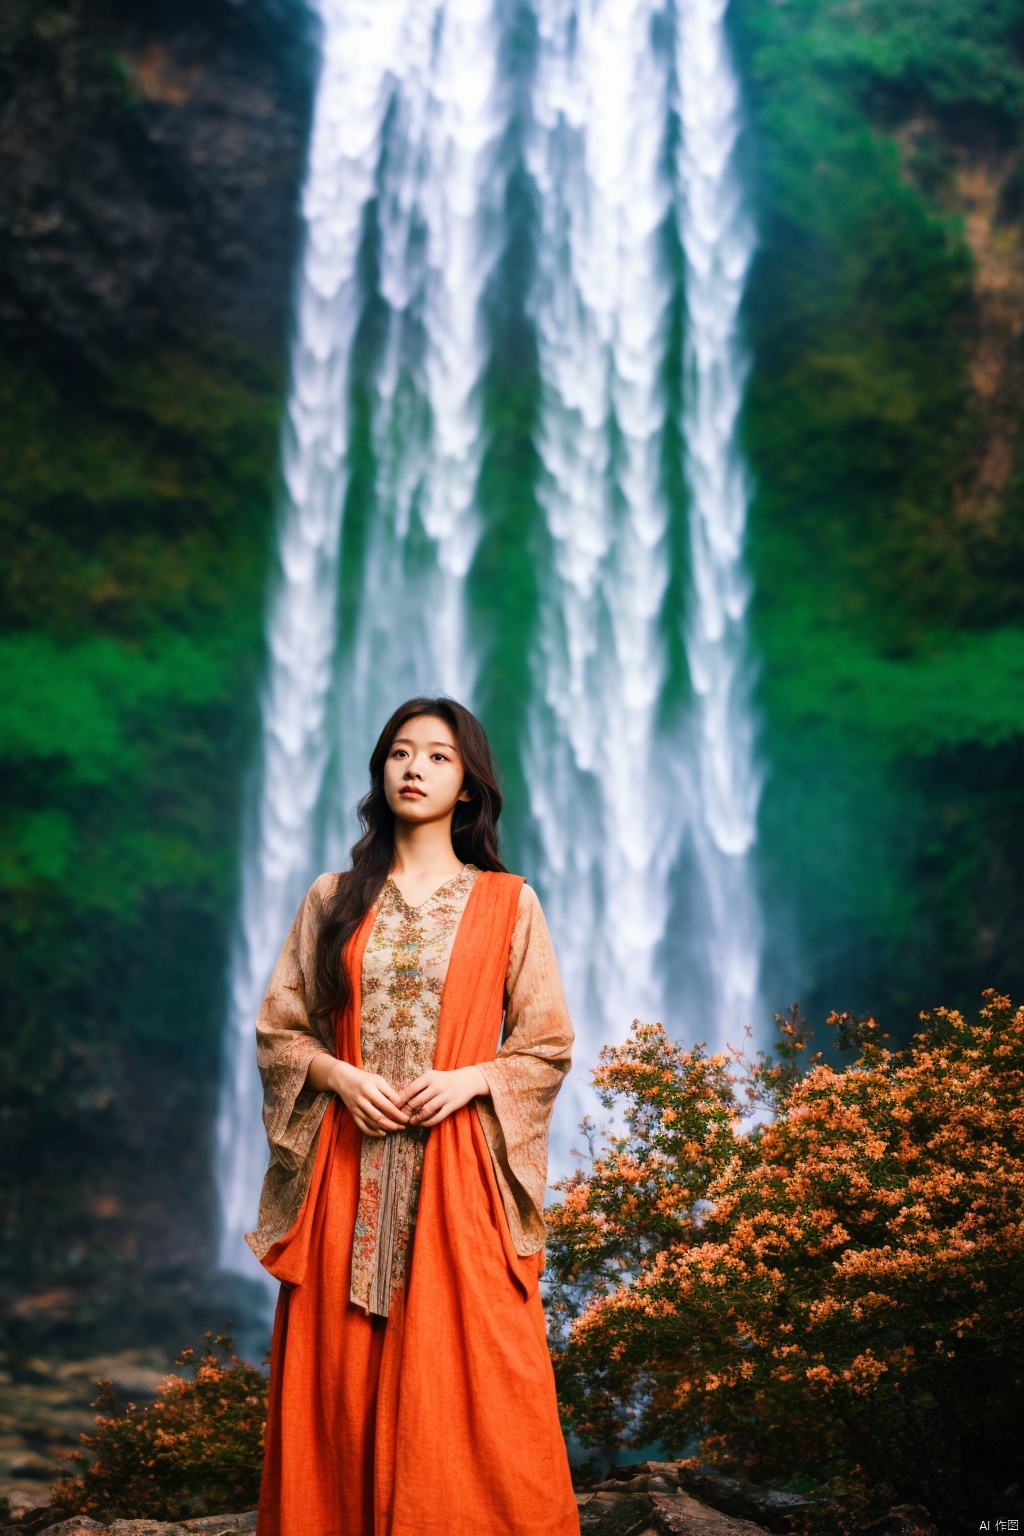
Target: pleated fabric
<point>443,1418</point>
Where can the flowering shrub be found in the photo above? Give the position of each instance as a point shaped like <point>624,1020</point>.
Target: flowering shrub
<point>198,1449</point>
<point>839,1291</point>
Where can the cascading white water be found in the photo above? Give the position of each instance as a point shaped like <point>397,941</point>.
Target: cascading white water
<point>440,216</point>
<point>617,789</point>
<point>407,180</point>
<point>601,800</point>
<point>407,125</point>
<point>717,238</point>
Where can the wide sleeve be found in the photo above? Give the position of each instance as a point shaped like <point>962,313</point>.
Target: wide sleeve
<point>286,1043</point>
<point>526,1074</point>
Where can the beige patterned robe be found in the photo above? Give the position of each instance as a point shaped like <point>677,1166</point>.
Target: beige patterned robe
<point>524,1076</point>
<point>404,968</point>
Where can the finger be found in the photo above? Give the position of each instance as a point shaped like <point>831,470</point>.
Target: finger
<point>382,1122</point>
<point>380,1112</point>
<point>411,1090</point>
<point>391,1094</point>
<point>436,1118</point>
<point>366,1127</point>
<point>430,1107</point>
<point>418,1101</point>
<point>375,1095</point>
<point>378,1106</point>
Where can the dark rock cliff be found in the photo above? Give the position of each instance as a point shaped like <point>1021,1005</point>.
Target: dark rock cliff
<point>150,157</point>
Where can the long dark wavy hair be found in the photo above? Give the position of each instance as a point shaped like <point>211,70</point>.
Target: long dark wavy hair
<point>474,838</point>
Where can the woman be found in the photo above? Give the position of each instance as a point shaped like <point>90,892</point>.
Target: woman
<point>411,1389</point>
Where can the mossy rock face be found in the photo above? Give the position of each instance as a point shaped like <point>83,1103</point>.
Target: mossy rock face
<point>152,164</point>
<point>884,315</point>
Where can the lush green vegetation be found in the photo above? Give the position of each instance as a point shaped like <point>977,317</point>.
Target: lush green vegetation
<point>136,511</point>
<point>889,570</point>
<point>134,505</point>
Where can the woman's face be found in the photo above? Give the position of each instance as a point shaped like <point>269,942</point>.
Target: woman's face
<point>423,772</point>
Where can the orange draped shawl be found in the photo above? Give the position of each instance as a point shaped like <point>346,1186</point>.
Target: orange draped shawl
<point>443,1420</point>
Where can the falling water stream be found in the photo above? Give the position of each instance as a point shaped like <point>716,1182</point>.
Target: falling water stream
<point>624,124</point>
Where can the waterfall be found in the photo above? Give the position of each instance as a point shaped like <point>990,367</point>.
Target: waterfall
<point>717,239</point>
<point>441,231</point>
<point>630,797</point>
<point>599,797</point>
<point>642,790</point>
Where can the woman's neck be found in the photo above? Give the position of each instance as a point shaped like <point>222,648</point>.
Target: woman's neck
<point>424,855</point>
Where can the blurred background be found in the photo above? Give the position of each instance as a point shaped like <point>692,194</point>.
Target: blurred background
<point>650,381</point>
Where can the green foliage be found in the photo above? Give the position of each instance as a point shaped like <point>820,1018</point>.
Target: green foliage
<point>963,687</point>
<point>888,625</point>
<point>198,1450</point>
<point>134,514</point>
<point>138,498</point>
<point>834,1294</point>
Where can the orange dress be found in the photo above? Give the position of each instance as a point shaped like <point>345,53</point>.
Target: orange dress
<point>442,1418</point>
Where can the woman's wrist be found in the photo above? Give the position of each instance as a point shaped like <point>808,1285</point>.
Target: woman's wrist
<point>326,1074</point>
<point>342,1076</point>
<point>484,1089</point>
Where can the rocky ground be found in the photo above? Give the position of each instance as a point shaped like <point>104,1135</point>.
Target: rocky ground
<point>47,1404</point>
<point>210,1525</point>
<point>43,1413</point>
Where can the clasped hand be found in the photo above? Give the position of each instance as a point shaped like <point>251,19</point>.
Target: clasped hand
<point>376,1107</point>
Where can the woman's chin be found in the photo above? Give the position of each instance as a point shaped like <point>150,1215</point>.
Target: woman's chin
<point>415,811</point>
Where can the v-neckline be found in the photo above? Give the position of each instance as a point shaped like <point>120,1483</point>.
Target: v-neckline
<point>435,892</point>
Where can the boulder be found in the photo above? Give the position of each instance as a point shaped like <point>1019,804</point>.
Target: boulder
<point>772,1507</point>
<point>145,1528</point>
<point>608,1512</point>
<point>619,1509</point>
<point>680,1515</point>
<point>206,1525</point>
<point>222,1525</point>
<point>645,1483</point>
<point>78,1525</point>
<point>23,1502</point>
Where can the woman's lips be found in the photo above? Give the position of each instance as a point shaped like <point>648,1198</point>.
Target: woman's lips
<point>413,794</point>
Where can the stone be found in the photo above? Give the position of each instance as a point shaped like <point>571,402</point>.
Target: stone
<point>145,1528</point>
<point>28,1463</point>
<point>644,1483</point>
<point>772,1507</point>
<point>222,1525</point>
<point>606,1512</point>
<point>630,1471</point>
<point>627,1511</point>
<point>78,1525</point>
<point>135,1372</point>
<point>25,1501</point>
<point>680,1515</point>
